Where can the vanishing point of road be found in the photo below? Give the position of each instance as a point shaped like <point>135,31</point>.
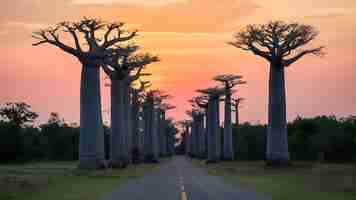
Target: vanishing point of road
<point>179,179</point>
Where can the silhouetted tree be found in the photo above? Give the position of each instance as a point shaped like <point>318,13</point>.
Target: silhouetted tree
<point>194,142</point>
<point>152,98</point>
<point>171,131</point>
<point>229,81</point>
<point>237,104</point>
<point>98,37</point>
<point>163,138</point>
<point>123,70</point>
<point>19,113</point>
<point>214,139</point>
<point>137,147</point>
<point>62,138</point>
<point>185,125</point>
<point>281,45</point>
<point>203,102</point>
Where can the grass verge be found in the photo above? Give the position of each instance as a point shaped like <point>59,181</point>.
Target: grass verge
<point>62,180</point>
<point>301,181</point>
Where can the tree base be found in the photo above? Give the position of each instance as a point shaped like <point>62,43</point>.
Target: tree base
<point>92,163</point>
<point>278,163</point>
<point>211,161</point>
<point>151,159</point>
<point>202,157</point>
<point>118,163</point>
<point>227,158</point>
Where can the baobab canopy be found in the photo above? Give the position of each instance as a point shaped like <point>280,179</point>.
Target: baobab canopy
<point>278,41</point>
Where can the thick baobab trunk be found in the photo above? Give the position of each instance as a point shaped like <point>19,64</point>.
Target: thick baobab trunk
<point>237,125</point>
<point>195,137</point>
<point>218,130</point>
<point>209,132</point>
<point>164,135</point>
<point>191,140</point>
<point>213,128</point>
<point>197,141</point>
<point>126,119</point>
<point>277,143</point>
<point>160,137</point>
<point>187,141</point>
<point>201,137</point>
<point>119,156</point>
<point>141,137</point>
<point>171,141</point>
<point>155,130</point>
<point>91,143</point>
<point>206,132</point>
<point>237,117</point>
<point>150,137</point>
<point>228,151</point>
<point>136,151</point>
<point>148,152</point>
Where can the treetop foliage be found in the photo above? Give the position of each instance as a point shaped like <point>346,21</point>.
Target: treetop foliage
<point>278,41</point>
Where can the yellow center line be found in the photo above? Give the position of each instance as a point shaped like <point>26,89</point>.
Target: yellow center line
<point>184,196</point>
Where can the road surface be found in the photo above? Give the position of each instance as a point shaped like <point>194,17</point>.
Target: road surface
<point>179,179</point>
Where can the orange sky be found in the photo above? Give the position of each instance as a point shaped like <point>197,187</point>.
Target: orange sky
<point>190,37</point>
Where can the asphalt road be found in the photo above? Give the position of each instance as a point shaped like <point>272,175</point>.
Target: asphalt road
<point>178,179</point>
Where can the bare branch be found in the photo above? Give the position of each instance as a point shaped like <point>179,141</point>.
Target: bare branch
<point>280,38</point>
<point>229,80</point>
<point>317,51</point>
<point>51,36</point>
<point>71,28</point>
<point>118,39</point>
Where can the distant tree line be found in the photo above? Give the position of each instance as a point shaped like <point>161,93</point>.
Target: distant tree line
<point>321,138</point>
<point>22,141</point>
<point>54,140</point>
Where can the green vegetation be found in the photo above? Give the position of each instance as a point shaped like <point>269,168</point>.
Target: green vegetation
<point>322,138</point>
<point>62,180</point>
<point>301,181</point>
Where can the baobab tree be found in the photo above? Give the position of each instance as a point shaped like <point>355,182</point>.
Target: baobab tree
<point>228,81</point>
<point>195,115</point>
<point>92,39</point>
<point>163,138</point>
<point>152,99</point>
<point>236,103</point>
<point>281,44</point>
<point>136,100</point>
<point>160,120</point>
<point>198,115</point>
<point>123,69</point>
<point>202,102</point>
<point>213,134</point>
<point>171,131</point>
<point>185,125</point>
<point>150,154</point>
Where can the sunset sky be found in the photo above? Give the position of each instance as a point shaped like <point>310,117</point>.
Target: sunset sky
<point>190,37</point>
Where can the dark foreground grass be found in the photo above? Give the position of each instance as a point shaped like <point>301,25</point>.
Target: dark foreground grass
<point>301,181</point>
<point>62,181</point>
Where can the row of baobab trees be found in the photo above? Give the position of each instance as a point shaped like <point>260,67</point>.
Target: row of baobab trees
<point>202,132</point>
<point>281,44</point>
<point>110,46</point>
